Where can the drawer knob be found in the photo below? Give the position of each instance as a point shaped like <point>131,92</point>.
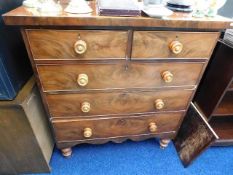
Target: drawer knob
<point>159,104</point>
<point>85,107</point>
<point>80,47</point>
<point>153,127</point>
<point>82,79</point>
<point>176,47</point>
<point>87,133</point>
<point>167,76</point>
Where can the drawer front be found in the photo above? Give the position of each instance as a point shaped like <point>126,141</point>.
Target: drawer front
<point>61,44</point>
<point>87,104</point>
<point>152,44</point>
<point>68,130</point>
<point>116,75</point>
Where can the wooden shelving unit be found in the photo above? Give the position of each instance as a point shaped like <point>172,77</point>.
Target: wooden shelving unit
<point>223,126</point>
<point>225,107</point>
<point>214,96</point>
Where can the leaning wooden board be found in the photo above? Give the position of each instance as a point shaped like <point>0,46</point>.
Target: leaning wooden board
<point>117,78</point>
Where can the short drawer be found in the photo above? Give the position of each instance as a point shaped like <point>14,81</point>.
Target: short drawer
<point>77,44</point>
<point>89,104</point>
<point>118,76</point>
<point>70,130</point>
<point>153,44</point>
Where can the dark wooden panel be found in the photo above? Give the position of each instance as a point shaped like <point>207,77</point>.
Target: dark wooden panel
<point>216,80</point>
<point>24,147</point>
<point>59,44</point>
<point>152,44</point>
<point>116,127</point>
<point>223,126</point>
<point>194,136</point>
<point>226,105</point>
<point>67,105</point>
<point>117,75</point>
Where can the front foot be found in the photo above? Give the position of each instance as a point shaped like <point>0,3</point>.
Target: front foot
<point>164,143</point>
<point>66,152</point>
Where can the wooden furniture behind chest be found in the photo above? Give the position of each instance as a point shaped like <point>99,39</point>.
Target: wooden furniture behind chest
<point>26,144</point>
<point>115,78</point>
<point>215,95</point>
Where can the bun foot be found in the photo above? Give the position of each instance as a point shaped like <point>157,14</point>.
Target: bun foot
<point>164,143</point>
<point>66,152</point>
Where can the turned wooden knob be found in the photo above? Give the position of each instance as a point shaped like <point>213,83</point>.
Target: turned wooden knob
<point>176,47</point>
<point>167,76</point>
<point>85,107</point>
<point>87,132</point>
<point>80,47</point>
<point>159,104</point>
<point>82,79</point>
<point>152,127</point>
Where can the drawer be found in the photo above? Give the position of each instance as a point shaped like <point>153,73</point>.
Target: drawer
<point>75,129</point>
<point>117,76</point>
<point>152,44</point>
<point>88,104</point>
<point>77,44</point>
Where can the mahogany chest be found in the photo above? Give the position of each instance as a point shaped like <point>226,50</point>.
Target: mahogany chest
<point>116,78</point>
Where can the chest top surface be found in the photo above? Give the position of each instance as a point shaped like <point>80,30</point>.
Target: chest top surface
<point>31,17</point>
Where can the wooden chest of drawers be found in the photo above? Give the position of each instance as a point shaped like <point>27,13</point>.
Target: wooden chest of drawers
<point>111,79</point>
<point>102,85</point>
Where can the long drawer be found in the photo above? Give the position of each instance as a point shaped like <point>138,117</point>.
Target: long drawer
<point>117,75</point>
<point>156,44</point>
<point>71,130</point>
<point>77,44</point>
<point>88,104</point>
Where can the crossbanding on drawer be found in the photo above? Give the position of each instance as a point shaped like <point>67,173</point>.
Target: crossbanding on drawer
<point>87,104</point>
<point>118,76</point>
<point>67,130</point>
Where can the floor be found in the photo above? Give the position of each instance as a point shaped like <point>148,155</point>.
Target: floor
<point>139,158</point>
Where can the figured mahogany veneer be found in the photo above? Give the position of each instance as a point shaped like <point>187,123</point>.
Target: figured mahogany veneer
<point>116,78</point>
<point>59,44</point>
<point>73,130</point>
<point>106,103</point>
<point>117,75</point>
<point>155,44</point>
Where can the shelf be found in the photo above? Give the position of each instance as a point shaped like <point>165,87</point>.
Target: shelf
<point>231,87</point>
<point>223,126</point>
<point>226,105</point>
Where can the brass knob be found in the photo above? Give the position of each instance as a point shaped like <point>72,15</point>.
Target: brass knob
<point>87,133</point>
<point>159,104</point>
<point>82,79</point>
<point>176,47</point>
<point>80,47</point>
<point>167,76</point>
<point>153,127</point>
<point>85,107</point>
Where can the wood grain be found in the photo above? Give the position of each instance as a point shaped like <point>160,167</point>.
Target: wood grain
<point>103,128</point>
<point>59,44</point>
<point>27,17</point>
<point>153,44</point>
<point>116,75</point>
<point>67,105</point>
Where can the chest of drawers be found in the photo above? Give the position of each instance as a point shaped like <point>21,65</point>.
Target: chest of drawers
<point>111,85</point>
<point>111,79</point>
